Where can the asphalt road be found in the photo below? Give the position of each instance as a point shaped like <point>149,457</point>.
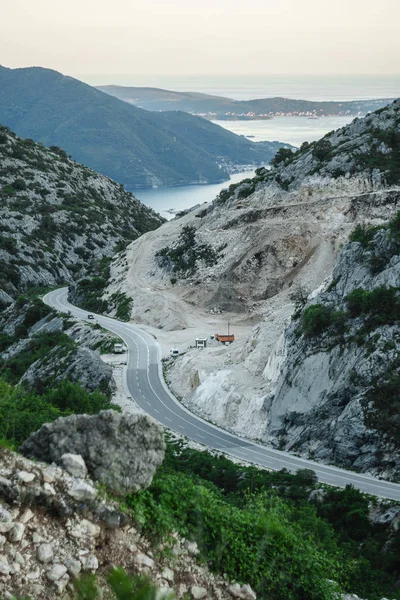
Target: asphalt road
<point>146,385</point>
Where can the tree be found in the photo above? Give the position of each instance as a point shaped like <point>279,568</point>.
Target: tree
<point>283,155</point>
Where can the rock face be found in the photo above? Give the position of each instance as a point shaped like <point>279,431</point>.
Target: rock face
<point>79,360</point>
<point>335,397</point>
<point>82,365</point>
<point>57,217</point>
<point>65,537</point>
<point>367,147</point>
<point>120,450</point>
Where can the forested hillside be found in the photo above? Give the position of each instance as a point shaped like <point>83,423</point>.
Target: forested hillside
<point>133,146</point>
<point>58,218</point>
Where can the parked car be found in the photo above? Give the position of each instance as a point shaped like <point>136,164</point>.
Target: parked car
<point>174,352</point>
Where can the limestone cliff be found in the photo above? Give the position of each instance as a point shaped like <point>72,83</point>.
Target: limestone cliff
<point>336,397</point>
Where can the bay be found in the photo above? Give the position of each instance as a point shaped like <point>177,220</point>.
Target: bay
<point>168,201</point>
<point>291,130</point>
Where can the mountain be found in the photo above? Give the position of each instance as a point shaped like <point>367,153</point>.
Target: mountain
<point>133,146</point>
<point>367,149</point>
<point>263,250</point>
<point>337,396</point>
<point>57,218</point>
<point>217,107</point>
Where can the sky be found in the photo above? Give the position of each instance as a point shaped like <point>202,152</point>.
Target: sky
<point>207,37</point>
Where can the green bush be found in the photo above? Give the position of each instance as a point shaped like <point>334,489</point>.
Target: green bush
<point>23,411</point>
<point>121,586</point>
<point>256,543</point>
<point>355,302</point>
<point>385,414</point>
<point>123,305</point>
<point>183,257</point>
<point>364,235</point>
<point>381,306</point>
<point>316,319</point>
<point>90,289</point>
<point>38,347</point>
<point>284,155</point>
<point>19,185</point>
<point>8,244</point>
<point>322,150</point>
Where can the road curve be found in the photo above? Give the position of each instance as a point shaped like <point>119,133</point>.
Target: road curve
<point>146,385</point>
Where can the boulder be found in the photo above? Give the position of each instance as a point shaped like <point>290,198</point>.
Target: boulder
<point>5,516</point>
<point>82,491</point>
<point>120,450</point>
<point>198,592</point>
<point>142,560</point>
<point>56,572</point>
<point>16,533</point>
<point>74,464</point>
<point>45,553</point>
<point>73,566</point>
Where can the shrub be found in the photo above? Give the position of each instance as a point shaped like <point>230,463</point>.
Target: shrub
<point>355,302</point>
<point>8,190</point>
<point>122,304</point>
<point>37,348</point>
<point>364,235</point>
<point>381,306</point>
<point>19,185</point>
<point>183,258</point>
<point>8,244</point>
<point>23,412</point>
<point>121,586</point>
<point>316,319</point>
<point>61,153</point>
<point>284,155</point>
<point>322,150</point>
<point>255,542</point>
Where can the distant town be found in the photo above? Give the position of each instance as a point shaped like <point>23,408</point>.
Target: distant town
<point>253,116</point>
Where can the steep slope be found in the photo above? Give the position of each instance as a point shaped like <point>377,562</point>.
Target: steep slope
<point>133,146</point>
<point>368,148</point>
<point>193,102</point>
<point>337,396</point>
<point>250,258</point>
<point>57,218</point>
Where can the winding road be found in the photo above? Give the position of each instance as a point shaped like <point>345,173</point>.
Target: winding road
<point>146,385</point>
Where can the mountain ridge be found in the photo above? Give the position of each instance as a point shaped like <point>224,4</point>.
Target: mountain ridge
<point>215,107</point>
<point>133,146</point>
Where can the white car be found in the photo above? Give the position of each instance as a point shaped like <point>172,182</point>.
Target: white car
<point>174,352</point>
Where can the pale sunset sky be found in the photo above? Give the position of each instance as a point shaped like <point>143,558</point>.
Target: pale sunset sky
<point>208,37</point>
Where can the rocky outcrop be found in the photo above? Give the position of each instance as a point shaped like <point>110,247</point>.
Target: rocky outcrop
<point>120,450</point>
<point>366,151</point>
<point>48,538</point>
<point>77,358</point>
<point>81,365</point>
<point>57,217</point>
<point>335,398</point>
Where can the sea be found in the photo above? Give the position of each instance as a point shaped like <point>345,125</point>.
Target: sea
<point>292,130</point>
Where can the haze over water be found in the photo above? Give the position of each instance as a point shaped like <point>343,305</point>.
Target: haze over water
<point>246,87</point>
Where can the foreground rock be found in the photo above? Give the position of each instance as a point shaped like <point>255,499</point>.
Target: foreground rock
<point>63,538</point>
<point>120,450</point>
